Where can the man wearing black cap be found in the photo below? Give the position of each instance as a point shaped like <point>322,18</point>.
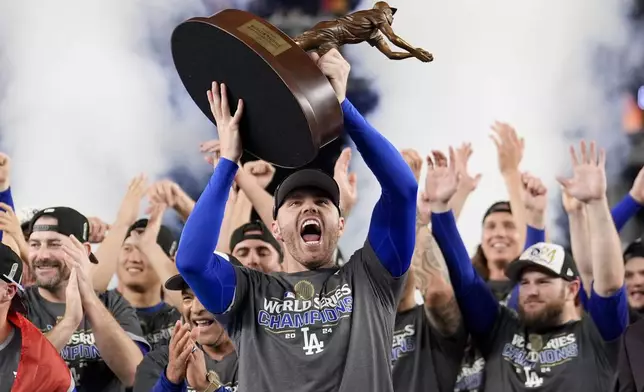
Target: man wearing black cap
<point>634,266</point>
<point>205,366</point>
<point>313,327</point>
<point>547,346</point>
<point>95,334</point>
<point>145,260</point>
<point>28,362</point>
<point>256,248</point>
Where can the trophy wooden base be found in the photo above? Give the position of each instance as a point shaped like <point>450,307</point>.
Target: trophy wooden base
<point>290,107</point>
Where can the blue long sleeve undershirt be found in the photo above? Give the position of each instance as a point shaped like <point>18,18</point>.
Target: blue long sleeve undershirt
<point>208,274</point>
<point>392,229</point>
<point>165,385</point>
<point>623,211</point>
<point>7,198</point>
<point>476,301</point>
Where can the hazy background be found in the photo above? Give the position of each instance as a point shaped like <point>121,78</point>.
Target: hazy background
<point>88,98</point>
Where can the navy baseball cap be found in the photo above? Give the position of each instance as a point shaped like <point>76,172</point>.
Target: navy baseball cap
<point>11,272</point>
<point>165,239</point>
<point>70,222</point>
<point>307,178</point>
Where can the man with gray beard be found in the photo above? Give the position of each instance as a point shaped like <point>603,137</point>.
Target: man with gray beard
<point>547,346</point>
<point>99,336</point>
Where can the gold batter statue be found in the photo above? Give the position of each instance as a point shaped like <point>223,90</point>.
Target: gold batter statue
<point>368,25</point>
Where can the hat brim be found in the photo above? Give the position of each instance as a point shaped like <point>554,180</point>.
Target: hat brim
<point>514,270</point>
<point>307,178</point>
<point>175,283</point>
<point>93,258</point>
<point>17,303</point>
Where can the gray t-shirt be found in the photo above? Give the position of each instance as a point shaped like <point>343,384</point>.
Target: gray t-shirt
<point>422,359</point>
<point>155,362</point>
<point>90,372</point>
<point>324,330</point>
<point>567,358</point>
<point>9,359</point>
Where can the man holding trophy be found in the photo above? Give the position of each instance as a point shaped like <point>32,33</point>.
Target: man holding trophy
<point>315,326</point>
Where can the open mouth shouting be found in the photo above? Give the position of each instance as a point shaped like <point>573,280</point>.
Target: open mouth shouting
<point>311,231</point>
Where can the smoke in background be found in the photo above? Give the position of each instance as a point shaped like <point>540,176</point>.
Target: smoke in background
<point>531,63</point>
<point>89,98</point>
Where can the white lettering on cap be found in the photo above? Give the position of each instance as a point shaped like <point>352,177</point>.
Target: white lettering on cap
<point>12,271</point>
<point>49,210</point>
<point>550,256</point>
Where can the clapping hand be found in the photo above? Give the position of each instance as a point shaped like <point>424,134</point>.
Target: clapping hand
<point>179,350</point>
<point>588,182</point>
<point>414,161</point>
<point>227,125</point>
<point>441,181</point>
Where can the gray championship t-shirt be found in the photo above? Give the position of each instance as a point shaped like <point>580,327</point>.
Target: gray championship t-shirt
<point>422,359</point>
<point>9,359</point>
<point>90,372</point>
<point>568,358</point>
<point>157,323</point>
<point>316,331</point>
<point>150,369</point>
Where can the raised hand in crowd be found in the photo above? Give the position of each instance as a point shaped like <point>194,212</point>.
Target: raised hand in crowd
<point>109,249</point>
<point>10,225</point>
<point>535,199</point>
<point>347,182</point>
<point>5,172</point>
<point>211,151</point>
<point>510,149</point>
<point>442,181</point>
<point>227,124</point>
<point>588,181</point>
<point>467,183</point>
<point>181,346</point>
<point>170,193</point>
<point>414,161</point>
<point>637,190</point>
<point>97,230</point>
<point>261,170</point>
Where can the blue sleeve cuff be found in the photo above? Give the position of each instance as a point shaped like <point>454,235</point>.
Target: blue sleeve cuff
<point>143,347</point>
<point>7,198</point>
<point>534,236</point>
<point>610,314</point>
<point>165,385</point>
<point>623,211</point>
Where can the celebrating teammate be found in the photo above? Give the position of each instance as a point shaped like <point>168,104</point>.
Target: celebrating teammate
<point>313,327</point>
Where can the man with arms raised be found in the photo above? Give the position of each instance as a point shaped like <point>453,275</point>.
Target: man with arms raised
<point>95,334</point>
<point>548,346</point>
<point>313,327</point>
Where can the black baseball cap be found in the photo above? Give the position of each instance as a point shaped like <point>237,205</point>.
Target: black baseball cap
<point>307,178</point>
<point>634,249</point>
<point>70,222</point>
<point>499,206</point>
<point>11,272</point>
<point>165,239</point>
<point>549,258</point>
<point>245,232</point>
<point>177,283</point>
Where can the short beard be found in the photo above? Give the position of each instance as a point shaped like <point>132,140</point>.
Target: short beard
<point>324,260</point>
<point>55,283</point>
<point>547,318</point>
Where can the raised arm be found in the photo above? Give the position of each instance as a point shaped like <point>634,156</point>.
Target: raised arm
<point>607,304</point>
<point>478,305</point>
<point>392,228</point>
<point>210,276</point>
<point>466,184</point>
<point>535,200</point>
<point>630,205</point>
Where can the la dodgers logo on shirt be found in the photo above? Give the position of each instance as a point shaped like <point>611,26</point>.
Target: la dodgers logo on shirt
<point>297,318</point>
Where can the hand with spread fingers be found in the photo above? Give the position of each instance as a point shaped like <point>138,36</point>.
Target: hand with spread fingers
<point>441,182</point>
<point>414,161</point>
<point>588,181</point>
<point>261,170</point>
<point>179,350</point>
<point>508,145</point>
<point>227,124</point>
<point>463,154</point>
<point>347,182</point>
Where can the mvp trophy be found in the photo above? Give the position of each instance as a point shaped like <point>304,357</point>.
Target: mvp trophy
<point>290,108</point>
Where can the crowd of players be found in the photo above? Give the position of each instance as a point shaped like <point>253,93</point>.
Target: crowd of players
<point>269,305</point>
